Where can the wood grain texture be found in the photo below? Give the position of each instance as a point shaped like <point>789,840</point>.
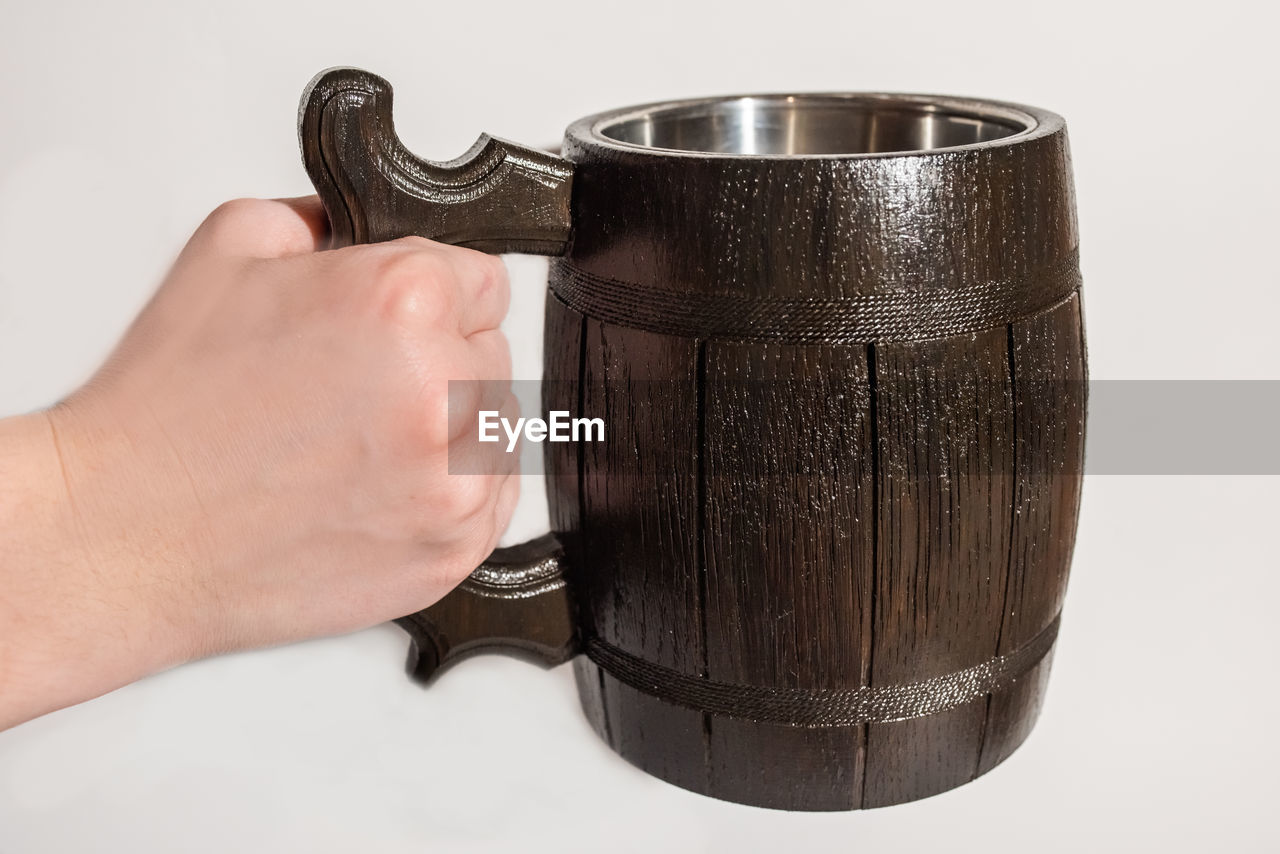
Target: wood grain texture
<point>944,428</point>
<point>562,342</point>
<point>788,555</point>
<point>1012,713</point>
<point>1047,352</point>
<point>641,582</point>
<point>821,228</point>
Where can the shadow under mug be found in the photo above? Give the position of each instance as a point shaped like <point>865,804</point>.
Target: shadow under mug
<point>819,559</point>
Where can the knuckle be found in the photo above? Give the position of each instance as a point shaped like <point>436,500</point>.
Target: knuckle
<point>432,431</point>
<point>502,355</point>
<point>467,553</point>
<point>505,505</point>
<point>510,408</point>
<point>412,290</point>
<point>466,400</point>
<point>237,221</point>
<point>244,210</point>
<point>414,242</point>
<point>493,274</point>
<point>444,409</point>
<point>478,547</point>
<point>454,570</point>
<point>492,286</point>
<point>467,497</point>
<point>491,354</point>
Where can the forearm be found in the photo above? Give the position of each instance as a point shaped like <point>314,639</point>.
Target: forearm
<point>69,628</point>
<point>35,531</point>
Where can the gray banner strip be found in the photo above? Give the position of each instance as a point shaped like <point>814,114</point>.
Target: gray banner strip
<point>1135,427</point>
<point>1183,427</point>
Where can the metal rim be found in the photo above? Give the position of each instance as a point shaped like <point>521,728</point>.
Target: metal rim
<point>994,123</point>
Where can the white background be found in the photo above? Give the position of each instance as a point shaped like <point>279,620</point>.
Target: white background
<point>124,123</point>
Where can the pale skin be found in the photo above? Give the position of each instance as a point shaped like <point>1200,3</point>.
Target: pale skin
<point>264,458</point>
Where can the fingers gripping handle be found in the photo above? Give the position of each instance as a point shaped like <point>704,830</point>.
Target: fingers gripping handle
<point>498,197</point>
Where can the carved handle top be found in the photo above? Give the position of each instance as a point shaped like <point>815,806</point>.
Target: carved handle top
<point>498,197</point>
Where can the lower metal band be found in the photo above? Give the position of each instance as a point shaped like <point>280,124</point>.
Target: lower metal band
<point>824,707</point>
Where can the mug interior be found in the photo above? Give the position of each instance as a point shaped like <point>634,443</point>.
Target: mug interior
<point>780,125</point>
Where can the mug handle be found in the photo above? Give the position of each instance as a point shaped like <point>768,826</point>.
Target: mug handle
<point>498,197</point>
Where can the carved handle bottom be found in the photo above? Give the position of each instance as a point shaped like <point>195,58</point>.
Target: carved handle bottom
<point>515,602</point>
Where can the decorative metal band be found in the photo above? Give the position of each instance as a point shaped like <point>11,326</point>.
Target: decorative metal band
<point>823,707</point>
<point>897,316</point>
<point>514,582</point>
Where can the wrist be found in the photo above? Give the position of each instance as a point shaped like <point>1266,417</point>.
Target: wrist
<point>76,601</point>
<point>38,541</point>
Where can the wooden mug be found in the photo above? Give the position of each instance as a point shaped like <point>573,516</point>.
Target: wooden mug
<point>819,559</point>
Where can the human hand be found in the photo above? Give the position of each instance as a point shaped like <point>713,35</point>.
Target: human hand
<point>264,458</point>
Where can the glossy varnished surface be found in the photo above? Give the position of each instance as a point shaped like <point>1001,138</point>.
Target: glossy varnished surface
<point>845,407</point>
<point>865,495</point>
<point>373,189</point>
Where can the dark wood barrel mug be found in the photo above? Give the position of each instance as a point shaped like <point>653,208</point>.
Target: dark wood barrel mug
<point>818,561</point>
